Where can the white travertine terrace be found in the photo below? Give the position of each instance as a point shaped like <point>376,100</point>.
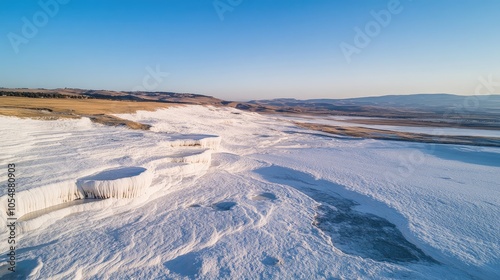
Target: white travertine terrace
<point>182,155</point>
<point>126,182</point>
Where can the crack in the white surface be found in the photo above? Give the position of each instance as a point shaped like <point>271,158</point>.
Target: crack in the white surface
<point>354,232</point>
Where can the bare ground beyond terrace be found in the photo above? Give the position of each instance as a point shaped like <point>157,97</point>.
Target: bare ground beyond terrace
<point>372,133</point>
<point>99,111</point>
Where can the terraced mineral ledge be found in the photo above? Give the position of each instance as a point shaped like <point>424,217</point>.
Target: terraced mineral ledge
<point>215,192</point>
<point>181,155</point>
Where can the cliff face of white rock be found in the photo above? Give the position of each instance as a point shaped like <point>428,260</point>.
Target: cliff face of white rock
<point>43,197</point>
<point>49,181</point>
<point>203,141</point>
<point>127,182</point>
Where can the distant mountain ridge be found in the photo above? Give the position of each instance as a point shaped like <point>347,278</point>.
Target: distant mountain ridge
<point>430,100</point>
<point>413,102</point>
<point>156,96</point>
<point>485,107</point>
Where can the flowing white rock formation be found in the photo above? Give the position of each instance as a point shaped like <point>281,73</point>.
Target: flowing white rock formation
<point>252,211</point>
<point>36,199</point>
<point>203,141</point>
<point>126,182</point>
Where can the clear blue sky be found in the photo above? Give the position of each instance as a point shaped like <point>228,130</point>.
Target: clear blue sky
<point>259,49</point>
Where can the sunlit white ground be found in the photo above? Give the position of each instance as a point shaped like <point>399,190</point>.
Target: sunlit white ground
<point>272,201</point>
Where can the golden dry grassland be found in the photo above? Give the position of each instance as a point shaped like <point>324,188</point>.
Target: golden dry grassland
<point>96,109</point>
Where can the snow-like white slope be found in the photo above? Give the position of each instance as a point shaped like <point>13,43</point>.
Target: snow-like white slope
<point>62,161</point>
<point>273,201</point>
<point>193,140</point>
<point>39,198</point>
<point>124,182</point>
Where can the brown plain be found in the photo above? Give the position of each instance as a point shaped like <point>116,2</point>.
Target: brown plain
<point>97,110</point>
<point>372,133</point>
